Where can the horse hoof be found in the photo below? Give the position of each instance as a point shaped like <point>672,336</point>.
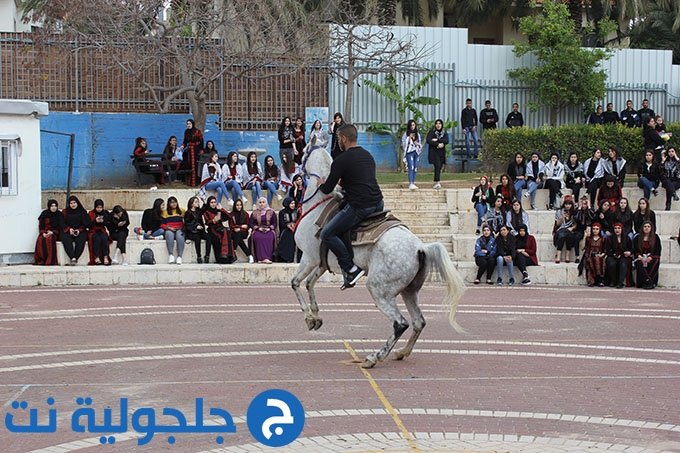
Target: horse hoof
<point>318,323</point>
<point>400,355</point>
<point>367,363</point>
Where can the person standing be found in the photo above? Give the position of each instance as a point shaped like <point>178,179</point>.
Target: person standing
<point>597,117</point>
<point>514,118</point>
<point>411,144</point>
<point>468,121</point>
<point>192,146</point>
<point>286,139</point>
<point>337,123</point>
<point>670,176</point>
<point>630,117</point>
<point>610,116</point>
<point>357,169</point>
<point>488,117</point>
<point>645,113</point>
<point>437,139</point>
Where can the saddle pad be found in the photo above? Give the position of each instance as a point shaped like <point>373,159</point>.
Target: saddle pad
<point>329,211</point>
<point>370,233</point>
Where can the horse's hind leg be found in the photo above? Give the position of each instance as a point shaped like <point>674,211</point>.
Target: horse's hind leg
<point>313,307</point>
<point>411,301</point>
<point>303,271</point>
<point>388,306</point>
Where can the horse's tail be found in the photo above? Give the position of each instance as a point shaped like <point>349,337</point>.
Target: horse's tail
<point>438,258</point>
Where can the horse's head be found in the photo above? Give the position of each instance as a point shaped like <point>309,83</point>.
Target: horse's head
<point>316,162</point>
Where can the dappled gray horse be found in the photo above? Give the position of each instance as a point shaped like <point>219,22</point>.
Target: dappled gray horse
<point>398,263</point>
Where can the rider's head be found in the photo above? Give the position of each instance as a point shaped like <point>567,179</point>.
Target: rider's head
<point>347,135</point>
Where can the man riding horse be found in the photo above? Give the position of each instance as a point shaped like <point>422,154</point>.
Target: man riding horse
<point>355,170</point>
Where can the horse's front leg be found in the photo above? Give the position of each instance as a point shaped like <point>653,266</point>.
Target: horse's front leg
<point>313,307</point>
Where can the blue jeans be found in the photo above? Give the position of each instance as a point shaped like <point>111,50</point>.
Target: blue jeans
<point>158,232</point>
<point>235,188</point>
<point>481,210</point>
<point>533,185</point>
<point>342,222</point>
<point>219,187</point>
<point>171,236</point>
<point>646,185</point>
<point>519,185</point>
<point>271,187</point>
<point>499,266</point>
<point>412,160</point>
<point>256,188</point>
<point>469,132</point>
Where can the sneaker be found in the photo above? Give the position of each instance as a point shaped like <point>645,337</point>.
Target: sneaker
<point>526,194</point>
<point>199,260</point>
<point>437,186</point>
<point>526,281</point>
<point>655,192</point>
<point>511,282</point>
<point>279,197</point>
<point>187,241</point>
<point>477,231</point>
<point>251,260</point>
<point>533,206</point>
<point>351,278</point>
<point>159,238</point>
<point>412,187</point>
<point>179,260</point>
<point>171,259</point>
<point>125,263</point>
<point>675,196</point>
<point>244,200</point>
<point>206,260</point>
<point>114,260</point>
<point>499,281</point>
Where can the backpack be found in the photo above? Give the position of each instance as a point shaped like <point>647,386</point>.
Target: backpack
<point>146,257</point>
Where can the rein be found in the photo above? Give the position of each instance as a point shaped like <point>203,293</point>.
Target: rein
<point>315,205</point>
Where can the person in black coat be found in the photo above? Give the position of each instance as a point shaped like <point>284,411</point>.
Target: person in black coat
<point>437,139</point>
<point>74,234</point>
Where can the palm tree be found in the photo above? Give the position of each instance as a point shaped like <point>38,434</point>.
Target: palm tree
<point>659,30</point>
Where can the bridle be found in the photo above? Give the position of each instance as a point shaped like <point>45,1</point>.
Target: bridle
<point>305,174</point>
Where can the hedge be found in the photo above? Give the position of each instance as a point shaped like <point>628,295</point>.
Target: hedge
<point>501,145</point>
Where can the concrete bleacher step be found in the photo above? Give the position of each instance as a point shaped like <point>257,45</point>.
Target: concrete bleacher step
<point>464,248</point>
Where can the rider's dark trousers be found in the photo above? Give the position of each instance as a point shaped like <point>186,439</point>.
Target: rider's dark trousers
<point>341,223</point>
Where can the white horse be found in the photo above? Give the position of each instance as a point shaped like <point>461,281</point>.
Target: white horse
<point>398,263</point>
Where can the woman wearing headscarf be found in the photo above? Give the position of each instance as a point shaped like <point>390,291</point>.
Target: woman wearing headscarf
<point>98,239</point>
<point>288,217</point>
<point>262,241</point>
<point>74,233</point>
<point>220,235</point>
<point>437,139</point>
<point>152,218</point>
<point>192,146</point>
<point>50,225</point>
<point>619,252</point>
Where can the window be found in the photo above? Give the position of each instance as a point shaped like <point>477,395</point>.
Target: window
<point>8,167</point>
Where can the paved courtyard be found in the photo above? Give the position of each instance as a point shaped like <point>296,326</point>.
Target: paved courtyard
<point>560,369</point>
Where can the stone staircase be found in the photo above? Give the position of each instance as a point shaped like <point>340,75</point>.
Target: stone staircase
<point>446,216</point>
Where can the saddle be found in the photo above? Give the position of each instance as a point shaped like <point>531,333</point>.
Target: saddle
<point>366,232</point>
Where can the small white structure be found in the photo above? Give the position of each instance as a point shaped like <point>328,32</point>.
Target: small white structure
<point>20,187</point>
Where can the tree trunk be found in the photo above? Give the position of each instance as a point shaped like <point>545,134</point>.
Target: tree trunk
<point>198,110</point>
<point>387,13</point>
<point>576,14</point>
<point>553,116</point>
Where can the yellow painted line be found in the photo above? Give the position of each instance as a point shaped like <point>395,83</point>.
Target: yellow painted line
<point>386,403</point>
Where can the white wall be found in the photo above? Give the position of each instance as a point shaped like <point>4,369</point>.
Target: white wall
<point>10,17</point>
<point>19,213</point>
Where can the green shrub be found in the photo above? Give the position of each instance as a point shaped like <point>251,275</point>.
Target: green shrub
<point>501,145</point>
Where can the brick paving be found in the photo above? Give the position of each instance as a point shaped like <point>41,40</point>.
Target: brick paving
<point>553,369</point>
